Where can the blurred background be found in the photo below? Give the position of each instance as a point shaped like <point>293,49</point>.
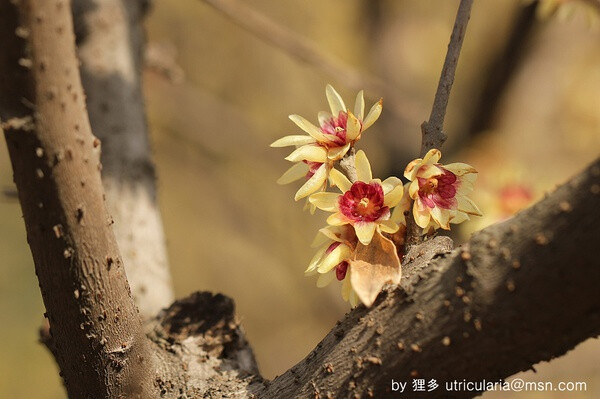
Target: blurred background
<point>524,111</point>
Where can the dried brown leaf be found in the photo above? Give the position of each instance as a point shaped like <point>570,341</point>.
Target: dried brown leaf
<point>373,266</point>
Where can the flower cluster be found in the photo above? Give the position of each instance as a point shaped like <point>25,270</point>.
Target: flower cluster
<point>440,191</point>
<point>316,152</point>
<point>363,242</point>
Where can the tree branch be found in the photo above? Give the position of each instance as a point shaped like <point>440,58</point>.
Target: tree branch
<point>111,60</point>
<point>487,304</point>
<point>306,51</point>
<point>433,136</point>
<point>431,131</point>
<point>95,330</point>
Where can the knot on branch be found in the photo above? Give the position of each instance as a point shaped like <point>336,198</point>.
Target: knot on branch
<point>208,318</point>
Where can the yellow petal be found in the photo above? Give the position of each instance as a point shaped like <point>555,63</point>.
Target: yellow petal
<point>413,189</point>
<point>466,205</point>
<point>395,193</point>
<point>315,183</point>
<point>347,286</point>
<point>335,101</point>
<point>470,177</point>
<point>297,171</point>
<point>390,183</point>
<point>359,106</point>
<point>411,169</point>
<point>325,279</point>
<point>311,273</point>
<point>373,115</point>
<point>427,171</point>
<point>293,140</point>
<point>398,215</point>
<point>421,214</point>
<point>466,183</point>
<point>325,201</point>
<point>388,226</point>
<point>319,240</point>
<point>432,156</point>
<point>352,127</point>
<point>363,167</point>
<point>329,233</point>
<point>364,231</point>
<point>338,179</point>
<point>312,266</point>
<point>332,259</point>
<point>441,216</point>
<point>310,207</point>
<point>336,153</point>
<point>337,219</point>
<point>353,299</point>
<point>459,217</point>
<point>312,153</point>
<point>460,169</point>
<point>323,117</point>
<point>309,128</point>
<point>333,233</point>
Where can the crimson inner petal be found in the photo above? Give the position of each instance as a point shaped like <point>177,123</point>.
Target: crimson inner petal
<point>439,190</point>
<point>312,168</point>
<point>336,126</point>
<point>363,202</point>
<point>340,270</point>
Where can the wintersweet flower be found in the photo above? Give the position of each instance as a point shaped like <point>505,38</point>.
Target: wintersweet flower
<point>402,207</point>
<point>363,269</point>
<point>327,143</point>
<point>332,260</point>
<point>315,173</point>
<point>364,204</point>
<point>440,191</point>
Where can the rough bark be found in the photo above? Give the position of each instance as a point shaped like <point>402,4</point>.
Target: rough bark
<point>519,292</point>
<point>110,43</point>
<point>95,332</point>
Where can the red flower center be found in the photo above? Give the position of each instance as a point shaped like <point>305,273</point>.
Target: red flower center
<point>363,202</point>
<point>336,127</point>
<point>340,270</point>
<point>439,190</point>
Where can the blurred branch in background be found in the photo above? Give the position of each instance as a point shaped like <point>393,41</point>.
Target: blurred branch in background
<point>502,69</point>
<point>306,51</point>
<point>161,59</point>
<point>111,62</point>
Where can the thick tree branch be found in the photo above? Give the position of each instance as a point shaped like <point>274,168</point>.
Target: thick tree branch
<point>95,331</point>
<point>519,292</point>
<point>110,39</point>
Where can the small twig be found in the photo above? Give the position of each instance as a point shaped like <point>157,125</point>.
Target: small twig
<point>432,133</point>
<point>433,136</point>
<point>347,164</point>
<point>309,52</point>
